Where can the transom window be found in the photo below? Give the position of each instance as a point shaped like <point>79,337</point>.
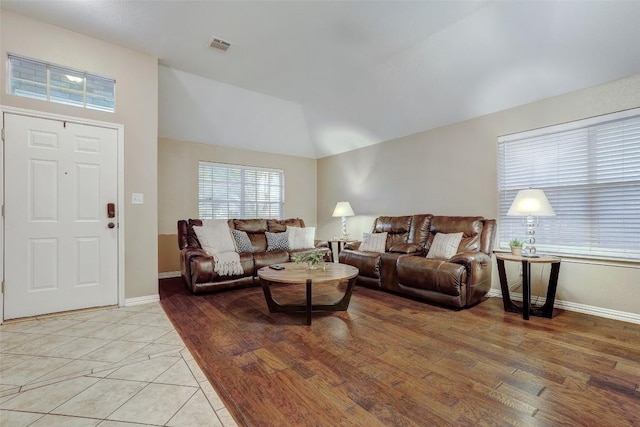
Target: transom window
<point>48,82</point>
<point>232,191</point>
<point>590,172</point>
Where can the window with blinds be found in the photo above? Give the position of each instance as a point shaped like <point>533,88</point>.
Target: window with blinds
<point>231,191</point>
<point>40,80</point>
<point>590,172</point>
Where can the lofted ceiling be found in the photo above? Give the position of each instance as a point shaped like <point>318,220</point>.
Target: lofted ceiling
<point>317,78</point>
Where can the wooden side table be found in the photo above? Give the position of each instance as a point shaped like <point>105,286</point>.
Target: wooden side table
<point>341,243</point>
<point>526,309</point>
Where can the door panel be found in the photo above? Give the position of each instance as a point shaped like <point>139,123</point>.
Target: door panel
<point>60,255</point>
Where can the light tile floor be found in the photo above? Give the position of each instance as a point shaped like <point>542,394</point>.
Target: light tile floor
<point>121,367</point>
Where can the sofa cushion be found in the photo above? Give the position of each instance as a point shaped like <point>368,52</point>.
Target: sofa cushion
<point>250,225</point>
<point>471,226</point>
<point>255,229</point>
<point>374,242</point>
<point>398,228</point>
<point>368,263</point>
<point>280,225</point>
<point>202,269</point>
<point>420,229</point>
<point>277,241</point>
<point>301,237</point>
<point>406,248</point>
<point>243,243</point>
<point>263,259</point>
<point>444,246</point>
<point>431,275</point>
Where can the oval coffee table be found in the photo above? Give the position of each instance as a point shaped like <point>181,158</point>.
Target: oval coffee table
<point>298,274</point>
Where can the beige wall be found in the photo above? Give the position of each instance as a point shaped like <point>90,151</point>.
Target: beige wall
<point>136,77</point>
<point>178,186</point>
<point>452,170</point>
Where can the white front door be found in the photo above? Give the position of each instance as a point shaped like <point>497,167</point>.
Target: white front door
<point>60,253</point>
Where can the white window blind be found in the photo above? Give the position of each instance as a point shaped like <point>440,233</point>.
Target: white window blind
<point>48,82</point>
<point>590,172</point>
<point>231,191</point>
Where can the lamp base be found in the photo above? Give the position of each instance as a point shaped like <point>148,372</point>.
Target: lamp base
<point>345,235</point>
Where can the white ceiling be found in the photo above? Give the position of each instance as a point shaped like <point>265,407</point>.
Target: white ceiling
<point>316,78</point>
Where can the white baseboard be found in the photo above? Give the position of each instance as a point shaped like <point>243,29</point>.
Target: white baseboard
<point>168,274</point>
<point>141,300</point>
<point>580,308</point>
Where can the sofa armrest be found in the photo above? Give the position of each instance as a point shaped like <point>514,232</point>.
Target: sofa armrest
<point>355,245</point>
<point>186,254</point>
<point>471,259</point>
<point>190,252</point>
<point>320,244</point>
<point>406,248</point>
<point>478,266</point>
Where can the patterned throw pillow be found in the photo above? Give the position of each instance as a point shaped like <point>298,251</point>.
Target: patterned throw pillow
<point>277,241</point>
<point>444,246</point>
<point>243,243</point>
<point>374,242</point>
<point>301,238</point>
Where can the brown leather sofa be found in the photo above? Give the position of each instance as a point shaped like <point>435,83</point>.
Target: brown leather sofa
<point>197,266</point>
<point>403,268</point>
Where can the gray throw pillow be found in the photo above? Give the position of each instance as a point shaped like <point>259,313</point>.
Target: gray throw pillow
<point>243,243</point>
<point>277,241</point>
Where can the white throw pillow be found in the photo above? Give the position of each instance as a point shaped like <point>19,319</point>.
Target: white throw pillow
<point>444,246</point>
<point>215,236</point>
<point>301,237</point>
<point>374,242</point>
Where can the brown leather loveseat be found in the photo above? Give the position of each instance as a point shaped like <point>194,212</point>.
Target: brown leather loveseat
<point>460,281</point>
<point>197,267</point>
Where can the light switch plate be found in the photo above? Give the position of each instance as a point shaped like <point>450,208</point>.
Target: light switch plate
<point>137,198</point>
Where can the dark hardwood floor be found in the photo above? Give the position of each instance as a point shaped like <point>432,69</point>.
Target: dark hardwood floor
<point>391,361</point>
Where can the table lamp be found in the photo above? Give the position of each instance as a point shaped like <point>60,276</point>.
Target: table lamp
<point>343,209</point>
<point>531,203</point>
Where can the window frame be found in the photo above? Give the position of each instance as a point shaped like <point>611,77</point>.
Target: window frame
<point>55,92</point>
<point>249,193</point>
<point>627,251</point>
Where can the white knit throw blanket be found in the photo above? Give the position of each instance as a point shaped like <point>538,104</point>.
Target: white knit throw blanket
<point>227,264</point>
<point>221,246</point>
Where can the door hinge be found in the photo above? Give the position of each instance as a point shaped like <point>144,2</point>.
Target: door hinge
<point>2,134</point>
<point>2,287</point>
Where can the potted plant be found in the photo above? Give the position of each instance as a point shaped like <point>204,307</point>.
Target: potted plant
<point>516,247</point>
<point>312,258</point>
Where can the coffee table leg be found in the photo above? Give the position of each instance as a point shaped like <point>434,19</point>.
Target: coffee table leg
<point>309,305</point>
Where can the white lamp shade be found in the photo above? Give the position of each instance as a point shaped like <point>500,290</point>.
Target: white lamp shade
<point>531,201</point>
<point>343,209</point>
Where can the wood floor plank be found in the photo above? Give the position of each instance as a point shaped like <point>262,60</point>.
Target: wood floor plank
<point>394,361</point>
<point>571,397</point>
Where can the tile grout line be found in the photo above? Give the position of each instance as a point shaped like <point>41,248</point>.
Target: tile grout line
<point>169,341</point>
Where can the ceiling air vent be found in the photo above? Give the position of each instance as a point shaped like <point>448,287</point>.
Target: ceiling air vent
<point>219,44</point>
